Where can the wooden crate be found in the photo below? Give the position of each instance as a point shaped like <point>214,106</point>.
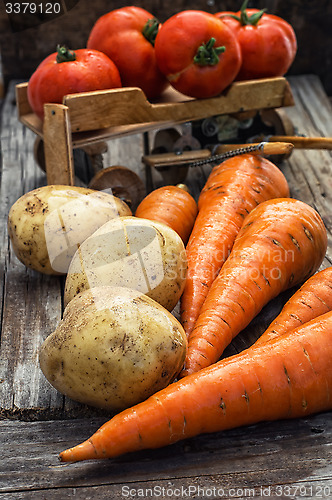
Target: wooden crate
<point>86,118</point>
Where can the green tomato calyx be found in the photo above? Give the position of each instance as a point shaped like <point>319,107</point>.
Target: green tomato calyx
<point>244,19</point>
<point>64,54</point>
<point>150,30</point>
<point>207,54</point>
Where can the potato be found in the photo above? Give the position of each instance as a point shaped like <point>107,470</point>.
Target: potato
<point>136,253</point>
<point>47,225</point>
<point>113,348</point>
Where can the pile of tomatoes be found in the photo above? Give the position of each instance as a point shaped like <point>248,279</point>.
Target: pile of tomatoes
<point>198,53</point>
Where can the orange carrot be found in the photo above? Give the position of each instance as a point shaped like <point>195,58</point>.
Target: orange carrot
<point>311,300</point>
<point>287,377</point>
<point>232,190</point>
<point>282,243</point>
<point>172,205</point>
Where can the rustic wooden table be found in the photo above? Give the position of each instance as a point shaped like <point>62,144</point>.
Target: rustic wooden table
<point>284,459</point>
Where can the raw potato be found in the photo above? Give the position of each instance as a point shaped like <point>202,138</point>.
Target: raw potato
<point>113,348</point>
<point>136,253</point>
<point>47,225</point>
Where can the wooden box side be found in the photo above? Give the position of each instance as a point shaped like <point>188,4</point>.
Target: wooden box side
<point>108,109</point>
<point>127,106</point>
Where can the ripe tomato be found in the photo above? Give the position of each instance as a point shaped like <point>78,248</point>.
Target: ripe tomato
<point>198,53</point>
<point>268,43</point>
<point>67,72</point>
<point>127,36</point>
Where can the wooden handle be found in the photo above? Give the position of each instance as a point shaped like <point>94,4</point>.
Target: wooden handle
<point>170,159</point>
<point>268,148</point>
<point>304,142</point>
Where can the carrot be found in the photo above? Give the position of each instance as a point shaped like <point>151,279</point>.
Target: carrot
<point>311,300</point>
<point>232,190</point>
<point>282,243</point>
<point>172,205</point>
<point>287,377</point>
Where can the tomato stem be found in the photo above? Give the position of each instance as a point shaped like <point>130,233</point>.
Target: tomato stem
<point>244,19</point>
<point>207,54</point>
<point>150,30</point>
<point>64,54</point>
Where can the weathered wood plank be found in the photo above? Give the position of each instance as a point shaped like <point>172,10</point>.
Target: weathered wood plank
<point>309,171</point>
<point>265,455</point>
<point>31,304</point>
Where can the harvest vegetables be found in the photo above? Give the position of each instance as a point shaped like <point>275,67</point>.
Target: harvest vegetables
<point>127,36</point>
<point>141,254</point>
<point>282,243</point>
<point>288,377</point>
<point>313,299</point>
<point>173,206</point>
<point>48,224</point>
<point>268,43</point>
<point>232,190</point>
<point>113,348</point>
<point>68,72</point>
<point>198,54</point>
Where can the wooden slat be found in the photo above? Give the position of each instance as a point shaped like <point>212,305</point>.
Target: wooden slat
<point>265,455</point>
<point>58,146</point>
<point>126,106</point>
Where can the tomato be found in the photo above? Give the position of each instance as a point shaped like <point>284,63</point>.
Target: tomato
<point>68,72</point>
<point>268,43</point>
<point>198,53</point>
<point>127,36</point>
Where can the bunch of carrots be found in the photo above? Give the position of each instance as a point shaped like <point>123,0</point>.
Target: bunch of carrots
<point>249,242</point>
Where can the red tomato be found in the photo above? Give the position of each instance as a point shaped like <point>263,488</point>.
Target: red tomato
<point>198,53</point>
<point>268,43</point>
<point>67,72</point>
<point>127,36</point>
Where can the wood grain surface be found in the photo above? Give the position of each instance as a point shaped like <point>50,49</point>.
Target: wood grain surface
<point>37,422</point>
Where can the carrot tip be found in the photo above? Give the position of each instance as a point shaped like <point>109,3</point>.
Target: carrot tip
<point>83,451</point>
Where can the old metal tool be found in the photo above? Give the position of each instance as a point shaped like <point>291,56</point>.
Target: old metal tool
<point>220,153</point>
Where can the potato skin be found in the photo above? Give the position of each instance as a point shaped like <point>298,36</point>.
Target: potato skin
<point>46,225</point>
<point>145,255</point>
<point>113,348</point>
